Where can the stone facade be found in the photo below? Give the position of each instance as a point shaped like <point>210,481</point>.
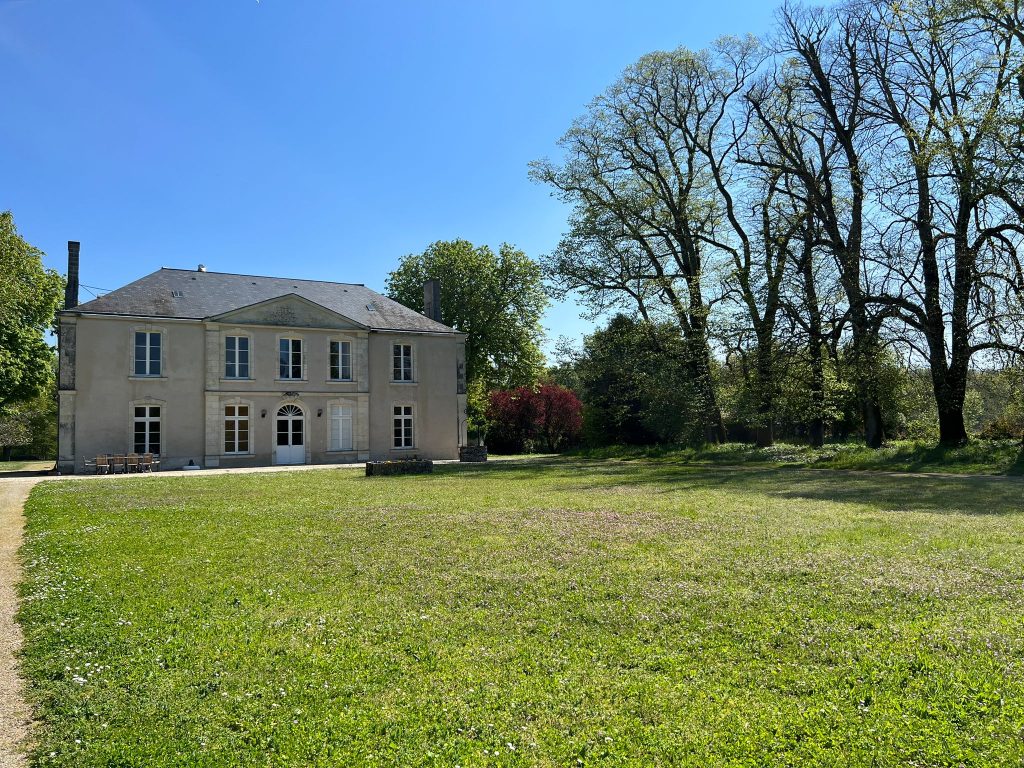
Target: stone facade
<point>100,391</point>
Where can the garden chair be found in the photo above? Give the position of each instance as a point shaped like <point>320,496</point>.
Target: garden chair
<point>102,464</point>
<point>117,463</point>
<point>146,465</point>
<point>131,463</point>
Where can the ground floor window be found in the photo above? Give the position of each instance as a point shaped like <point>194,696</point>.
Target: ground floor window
<point>236,429</point>
<point>341,428</point>
<point>403,426</point>
<point>147,429</point>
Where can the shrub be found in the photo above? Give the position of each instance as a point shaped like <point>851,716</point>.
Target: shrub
<point>523,419</point>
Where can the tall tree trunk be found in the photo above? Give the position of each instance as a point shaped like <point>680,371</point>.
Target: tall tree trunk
<point>952,431</point>
<point>864,362</point>
<point>694,327</point>
<point>816,341</point>
<point>874,433</point>
<point>816,424</point>
<point>700,364</point>
<point>950,387</point>
<point>764,430</point>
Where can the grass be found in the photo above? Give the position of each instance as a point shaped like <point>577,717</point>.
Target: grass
<point>554,613</point>
<point>982,457</point>
<point>25,466</point>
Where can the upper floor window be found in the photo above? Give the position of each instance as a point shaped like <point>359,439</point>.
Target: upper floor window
<point>236,357</point>
<point>402,366</point>
<point>290,365</point>
<point>341,360</point>
<point>147,353</point>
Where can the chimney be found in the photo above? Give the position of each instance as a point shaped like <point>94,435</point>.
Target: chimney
<point>432,299</point>
<point>71,288</point>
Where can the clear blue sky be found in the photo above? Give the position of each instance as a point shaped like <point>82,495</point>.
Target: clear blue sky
<point>303,138</point>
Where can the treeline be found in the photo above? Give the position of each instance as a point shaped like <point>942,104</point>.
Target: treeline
<point>795,227</point>
<point>632,380</point>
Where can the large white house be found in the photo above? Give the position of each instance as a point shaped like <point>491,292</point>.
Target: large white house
<point>238,370</point>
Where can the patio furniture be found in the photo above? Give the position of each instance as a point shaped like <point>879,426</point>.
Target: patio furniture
<point>146,464</point>
<point>117,463</point>
<point>131,463</point>
<point>102,464</point>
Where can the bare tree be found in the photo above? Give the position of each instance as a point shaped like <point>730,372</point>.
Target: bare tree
<point>812,111</point>
<point>943,86</point>
<point>638,161</point>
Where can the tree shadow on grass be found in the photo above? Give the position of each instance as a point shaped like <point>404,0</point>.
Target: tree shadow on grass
<point>959,495</point>
<point>978,495</point>
<point>981,458</point>
<point>1017,469</point>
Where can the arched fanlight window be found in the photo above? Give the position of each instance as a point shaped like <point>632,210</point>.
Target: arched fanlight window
<point>289,410</point>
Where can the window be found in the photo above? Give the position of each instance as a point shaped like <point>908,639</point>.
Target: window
<point>236,429</point>
<point>403,426</point>
<point>402,354</point>
<point>341,360</point>
<point>236,357</point>
<point>147,429</point>
<point>291,359</point>
<point>147,353</point>
<point>341,428</point>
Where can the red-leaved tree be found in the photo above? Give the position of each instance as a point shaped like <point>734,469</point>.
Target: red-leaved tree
<point>548,417</point>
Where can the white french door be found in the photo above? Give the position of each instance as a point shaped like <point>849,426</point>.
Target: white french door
<point>290,435</point>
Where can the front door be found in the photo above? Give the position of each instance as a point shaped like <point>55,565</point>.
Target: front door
<point>291,443</point>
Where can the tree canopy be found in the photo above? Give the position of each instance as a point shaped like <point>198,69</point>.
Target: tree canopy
<point>30,294</point>
<point>496,299</point>
<point>845,190</point>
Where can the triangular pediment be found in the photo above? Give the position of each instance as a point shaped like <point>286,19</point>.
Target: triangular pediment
<point>289,311</point>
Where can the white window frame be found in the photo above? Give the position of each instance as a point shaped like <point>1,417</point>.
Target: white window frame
<point>148,419</point>
<point>400,367</point>
<point>162,362</point>
<point>342,343</point>
<point>408,426</point>
<point>235,419</point>
<point>291,338</point>
<point>341,406</point>
<point>248,352</point>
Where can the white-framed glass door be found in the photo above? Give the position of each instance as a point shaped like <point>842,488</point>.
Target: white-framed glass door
<point>290,435</point>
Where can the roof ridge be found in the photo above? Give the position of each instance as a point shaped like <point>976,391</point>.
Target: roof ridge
<point>263,277</point>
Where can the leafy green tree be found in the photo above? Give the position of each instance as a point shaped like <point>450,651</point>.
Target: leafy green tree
<point>28,429</point>
<point>15,429</point>
<point>496,299</point>
<point>635,385</point>
<point>29,296</point>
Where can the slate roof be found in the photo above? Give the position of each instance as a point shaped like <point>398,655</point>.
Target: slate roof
<point>208,294</point>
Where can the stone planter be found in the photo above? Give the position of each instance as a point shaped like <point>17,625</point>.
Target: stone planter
<point>474,453</point>
<point>401,467</point>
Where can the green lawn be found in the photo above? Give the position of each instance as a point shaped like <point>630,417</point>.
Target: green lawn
<point>30,465</point>
<point>557,613</point>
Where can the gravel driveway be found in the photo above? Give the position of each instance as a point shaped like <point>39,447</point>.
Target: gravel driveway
<point>15,715</point>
